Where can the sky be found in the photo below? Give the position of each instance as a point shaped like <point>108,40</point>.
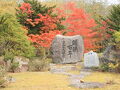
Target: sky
<point>113,2</point>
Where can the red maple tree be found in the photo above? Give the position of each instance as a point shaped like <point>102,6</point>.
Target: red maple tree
<point>43,40</point>
<point>42,27</point>
<point>78,22</point>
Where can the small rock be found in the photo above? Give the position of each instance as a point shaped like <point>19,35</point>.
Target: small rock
<point>81,81</point>
<point>88,85</point>
<point>10,79</point>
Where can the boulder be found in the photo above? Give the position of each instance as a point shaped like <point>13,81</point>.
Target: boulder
<point>23,63</point>
<point>110,55</point>
<point>67,49</point>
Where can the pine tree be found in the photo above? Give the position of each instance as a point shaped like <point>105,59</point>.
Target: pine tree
<point>113,19</point>
<point>13,39</point>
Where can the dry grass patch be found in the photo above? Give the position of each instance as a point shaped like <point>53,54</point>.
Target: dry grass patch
<point>112,79</point>
<point>39,81</point>
<point>49,81</point>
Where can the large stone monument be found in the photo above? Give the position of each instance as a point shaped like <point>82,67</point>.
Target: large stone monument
<point>91,59</point>
<point>67,49</point>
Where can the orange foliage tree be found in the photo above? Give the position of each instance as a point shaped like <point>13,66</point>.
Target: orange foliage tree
<point>78,22</point>
<point>45,39</point>
<point>40,21</point>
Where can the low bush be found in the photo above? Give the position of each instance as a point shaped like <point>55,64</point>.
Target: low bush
<point>117,69</point>
<point>37,64</point>
<point>104,67</point>
<point>110,67</point>
<point>14,66</point>
<point>3,82</point>
<point>117,39</point>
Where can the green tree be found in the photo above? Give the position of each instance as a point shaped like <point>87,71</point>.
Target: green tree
<point>113,28</point>
<point>113,24</point>
<point>113,19</point>
<point>116,36</point>
<point>13,39</point>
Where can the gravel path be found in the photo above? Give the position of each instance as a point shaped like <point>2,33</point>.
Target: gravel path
<point>76,80</point>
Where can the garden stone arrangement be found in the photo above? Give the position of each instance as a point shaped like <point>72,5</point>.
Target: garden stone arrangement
<point>76,80</point>
<point>67,49</point>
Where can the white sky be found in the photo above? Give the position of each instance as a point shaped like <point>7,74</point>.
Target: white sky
<point>110,1</point>
<point>113,1</point>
